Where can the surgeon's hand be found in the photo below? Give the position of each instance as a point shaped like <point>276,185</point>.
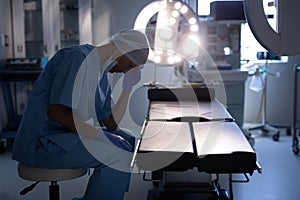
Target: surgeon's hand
<point>131,78</point>
<point>115,139</point>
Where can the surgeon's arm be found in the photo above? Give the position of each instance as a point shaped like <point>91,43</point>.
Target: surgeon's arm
<point>64,116</point>
<point>131,78</point>
<point>111,122</point>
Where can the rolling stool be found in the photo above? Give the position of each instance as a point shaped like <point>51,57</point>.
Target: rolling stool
<point>47,175</point>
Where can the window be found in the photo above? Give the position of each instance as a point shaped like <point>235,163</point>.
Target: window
<point>249,45</point>
<point>204,7</point>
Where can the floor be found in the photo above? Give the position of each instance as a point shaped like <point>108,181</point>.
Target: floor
<point>278,181</point>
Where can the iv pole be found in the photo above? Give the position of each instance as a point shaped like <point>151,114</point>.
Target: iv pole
<point>264,126</point>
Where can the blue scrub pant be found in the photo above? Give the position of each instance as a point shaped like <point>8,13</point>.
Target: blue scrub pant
<point>111,175</point>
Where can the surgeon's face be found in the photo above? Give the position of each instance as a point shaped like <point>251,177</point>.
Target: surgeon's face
<point>123,66</point>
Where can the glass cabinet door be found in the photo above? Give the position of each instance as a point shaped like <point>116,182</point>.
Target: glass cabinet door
<point>52,24</point>
<point>75,22</point>
<point>41,28</point>
<point>33,27</point>
<point>69,25</point>
<point>18,29</point>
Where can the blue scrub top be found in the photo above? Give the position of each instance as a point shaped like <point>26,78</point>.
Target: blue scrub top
<point>55,86</point>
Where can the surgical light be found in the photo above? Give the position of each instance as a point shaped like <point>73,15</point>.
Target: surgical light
<point>177,58</point>
<point>163,4</point>
<point>157,59</point>
<point>184,9</point>
<point>192,20</point>
<point>169,45</point>
<point>158,51</point>
<point>177,5</point>
<point>171,60</point>
<point>172,20</point>
<point>194,28</point>
<point>173,25</point>
<point>175,13</point>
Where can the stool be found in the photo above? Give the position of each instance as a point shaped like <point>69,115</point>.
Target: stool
<point>47,175</point>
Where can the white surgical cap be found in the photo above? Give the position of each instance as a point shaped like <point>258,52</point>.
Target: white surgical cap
<point>133,44</point>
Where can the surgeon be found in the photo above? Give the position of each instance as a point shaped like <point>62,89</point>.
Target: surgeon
<point>71,121</point>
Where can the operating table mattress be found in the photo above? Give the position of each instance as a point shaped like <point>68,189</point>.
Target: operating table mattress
<point>214,147</point>
<point>174,110</point>
<point>193,134</point>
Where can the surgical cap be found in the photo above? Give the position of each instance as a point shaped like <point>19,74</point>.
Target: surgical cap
<point>133,44</point>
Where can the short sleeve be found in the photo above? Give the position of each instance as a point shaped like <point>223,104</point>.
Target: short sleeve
<point>66,66</point>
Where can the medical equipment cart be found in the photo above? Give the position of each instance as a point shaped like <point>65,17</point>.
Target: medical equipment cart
<point>18,73</point>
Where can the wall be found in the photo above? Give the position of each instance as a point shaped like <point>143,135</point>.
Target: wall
<point>280,94</point>
<point>112,16</point>
<point>5,52</point>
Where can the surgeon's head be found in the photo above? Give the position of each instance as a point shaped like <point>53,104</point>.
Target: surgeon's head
<point>133,48</point>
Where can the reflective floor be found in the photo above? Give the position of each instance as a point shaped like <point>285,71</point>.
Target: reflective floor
<point>281,171</point>
<point>279,180</point>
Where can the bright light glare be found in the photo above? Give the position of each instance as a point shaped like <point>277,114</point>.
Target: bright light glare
<point>172,20</point>
<point>162,22</point>
<point>184,9</point>
<point>227,51</point>
<point>163,12</point>
<point>167,50</point>
<point>175,13</point>
<point>177,5</point>
<point>166,33</point>
<point>157,59</point>
<point>145,15</point>
<point>204,7</point>
<point>158,51</point>
<point>163,4</point>
<point>171,60</point>
<point>195,38</point>
<point>170,52</point>
<point>190,48</point>
<point>177,58</point>
<point>169,45</point>
<point>194,28</point>
<point>151,55</point>
<point>192,20</point>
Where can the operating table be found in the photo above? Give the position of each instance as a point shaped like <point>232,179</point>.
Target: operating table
<point>183,132</point>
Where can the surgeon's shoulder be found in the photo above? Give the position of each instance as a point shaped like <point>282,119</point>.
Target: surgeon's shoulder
<point>77,50</point>
<point>65,56</point>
